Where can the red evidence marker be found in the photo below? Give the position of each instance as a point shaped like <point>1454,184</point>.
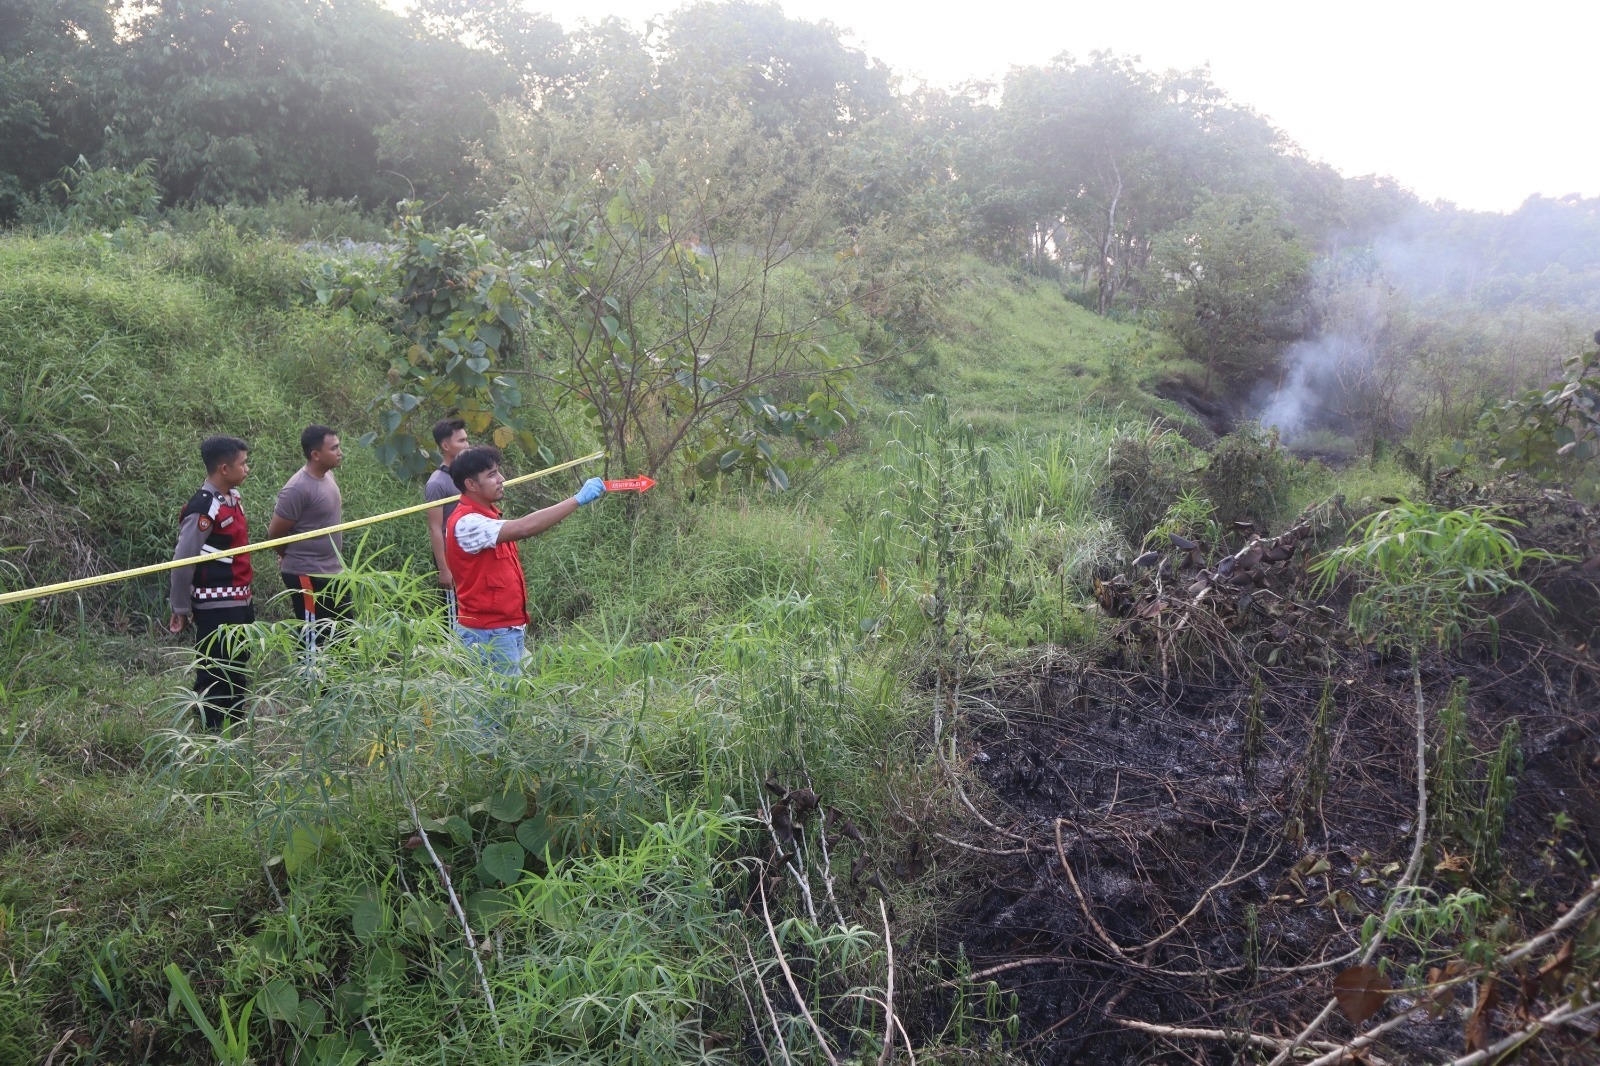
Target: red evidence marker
<point>631,484</point>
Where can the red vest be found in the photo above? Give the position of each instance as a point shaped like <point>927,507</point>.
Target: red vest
<point>491,592</point>
<point>221,518</point>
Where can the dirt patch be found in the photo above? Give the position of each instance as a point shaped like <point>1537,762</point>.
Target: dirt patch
<point>1218,415</point>
<point>1183,867</point>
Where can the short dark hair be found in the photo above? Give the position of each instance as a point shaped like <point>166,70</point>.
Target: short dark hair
<point>214,451</point>
<point>472,462</point>
<point>446,428</point>
<point>312,436</point>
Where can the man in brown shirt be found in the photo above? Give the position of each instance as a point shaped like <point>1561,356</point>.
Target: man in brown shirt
<point>310,500</point>
<point>450,434</point>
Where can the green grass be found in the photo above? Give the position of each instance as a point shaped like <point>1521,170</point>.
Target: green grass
<point>94,870</point>
<point>114,364</point>
<point>1016,355</point>
<point>686,649</point>
<point>628,754</point>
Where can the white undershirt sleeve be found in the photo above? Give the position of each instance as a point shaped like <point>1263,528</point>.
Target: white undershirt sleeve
<point>476,532</point>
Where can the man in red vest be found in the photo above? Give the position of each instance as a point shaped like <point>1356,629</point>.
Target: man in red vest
<point>216,593</point>
<point>481,549</point>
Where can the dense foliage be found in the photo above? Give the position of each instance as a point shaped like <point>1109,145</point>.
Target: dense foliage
<point>708,662</point>
<point>1139,192</point>
<point>950,395</point>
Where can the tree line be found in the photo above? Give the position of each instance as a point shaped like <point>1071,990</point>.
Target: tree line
<point>1144,192</point>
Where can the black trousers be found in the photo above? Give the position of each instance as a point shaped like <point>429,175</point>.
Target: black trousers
<point>325,605</point>
<point>220,677</point>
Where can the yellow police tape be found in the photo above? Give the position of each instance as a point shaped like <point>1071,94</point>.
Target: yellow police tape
<point>156,568</point>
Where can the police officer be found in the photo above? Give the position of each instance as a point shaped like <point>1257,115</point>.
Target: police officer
<point>216,594</point>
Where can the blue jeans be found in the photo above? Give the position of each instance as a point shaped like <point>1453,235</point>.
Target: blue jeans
<point>502,649</point>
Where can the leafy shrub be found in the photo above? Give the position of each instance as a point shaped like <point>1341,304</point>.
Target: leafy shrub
<point>1228,283</point>
<point>718,359</point>
<point>1552,433</point>
<point>1146,471</point>
<point>262,273</point>
<point>1250,476</point>
<point>14,198</point>
<point>1431,573</point>
<point>105,198</point>
<point>1126,357</point>
<point>1191,515</point>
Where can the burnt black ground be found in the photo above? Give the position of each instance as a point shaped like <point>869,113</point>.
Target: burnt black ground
<point>1155,806</point>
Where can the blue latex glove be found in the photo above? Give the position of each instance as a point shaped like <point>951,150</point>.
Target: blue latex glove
<point>592,490</point>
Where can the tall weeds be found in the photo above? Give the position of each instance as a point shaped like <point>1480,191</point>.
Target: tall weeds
<point>589,820</point>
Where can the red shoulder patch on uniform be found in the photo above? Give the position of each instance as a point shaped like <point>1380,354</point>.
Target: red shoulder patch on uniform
<point>205,523</point>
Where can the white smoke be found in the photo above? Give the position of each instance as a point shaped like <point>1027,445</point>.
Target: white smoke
<point>1437,306</point>
<point>1312,385</point>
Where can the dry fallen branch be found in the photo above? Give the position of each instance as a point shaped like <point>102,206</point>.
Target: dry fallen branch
<point>955,782</point>
<point>1231,1036</point>
<point>1397,893</point>
<point>981,851</point>
<point>1566,921</point>
<point>1565,1014</point>
<point>1227,881</point>
<point>788,976</point>
<point>772,1015</point>
<point>1555,1017</point>
<point>827,863</point>
<point>1574,913</point>
<point>1349,1050</point>
<point>1117,949</point>
<point>888,994</point>
<point>461,916</point>
<point>1007,967</point>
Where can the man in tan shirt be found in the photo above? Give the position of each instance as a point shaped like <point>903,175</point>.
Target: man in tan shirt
<point>310,500</point>
<point>450,434</point>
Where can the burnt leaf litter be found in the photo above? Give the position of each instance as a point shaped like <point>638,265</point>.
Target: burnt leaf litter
<point>1210,811</point>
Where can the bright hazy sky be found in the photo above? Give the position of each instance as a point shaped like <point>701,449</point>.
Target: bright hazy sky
<point>1476,102</point>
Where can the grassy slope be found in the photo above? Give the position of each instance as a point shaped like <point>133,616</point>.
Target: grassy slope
<point>759,597</point>
<point>1037,374</point>
<point>1016,354</point>
<point>117,363</point>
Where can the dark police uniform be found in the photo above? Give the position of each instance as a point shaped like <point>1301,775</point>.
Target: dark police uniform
<point>217,592</point>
